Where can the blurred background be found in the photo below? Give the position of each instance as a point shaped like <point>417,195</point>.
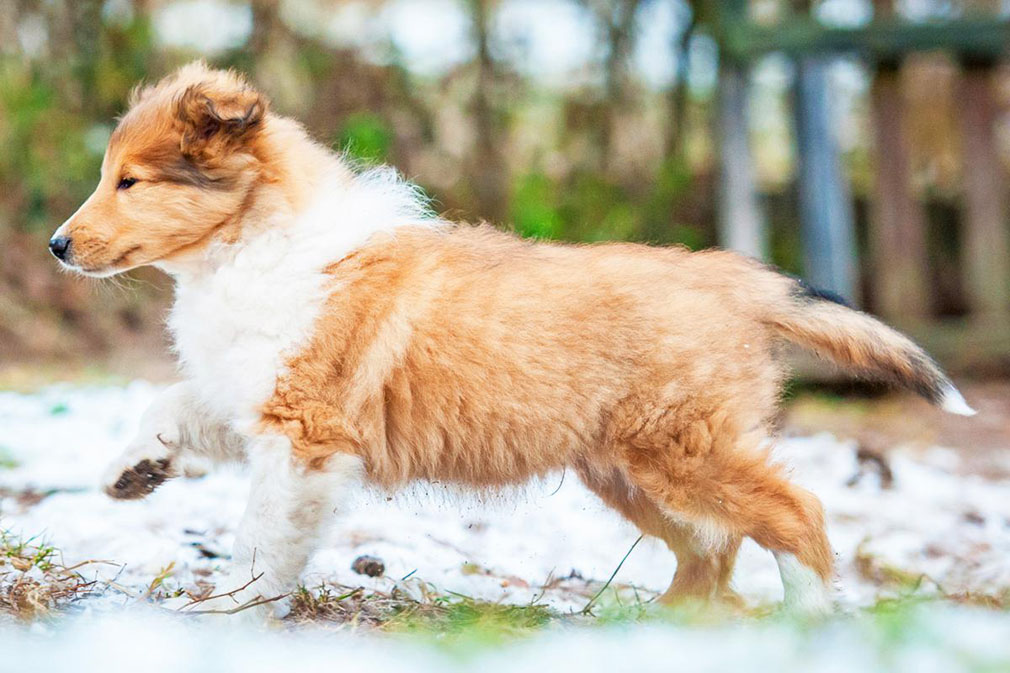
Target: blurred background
<point>860,144</point>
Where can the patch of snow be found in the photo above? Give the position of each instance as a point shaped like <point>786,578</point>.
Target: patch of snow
<point>951,528</point>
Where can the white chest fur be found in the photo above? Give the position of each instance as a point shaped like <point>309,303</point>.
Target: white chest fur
<point>238,321</point>
<point>235,327</point>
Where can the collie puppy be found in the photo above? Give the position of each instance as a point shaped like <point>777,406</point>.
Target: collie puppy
<point>332,332</point>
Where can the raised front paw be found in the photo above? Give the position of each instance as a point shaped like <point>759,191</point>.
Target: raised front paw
<point>140,479</point>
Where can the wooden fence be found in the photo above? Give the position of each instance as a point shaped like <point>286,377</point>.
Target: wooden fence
<point>898,259</point>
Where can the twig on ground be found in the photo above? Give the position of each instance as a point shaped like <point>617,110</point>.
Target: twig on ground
<point>255,602</point>
<point>121,589</point>
<point>227,594</point>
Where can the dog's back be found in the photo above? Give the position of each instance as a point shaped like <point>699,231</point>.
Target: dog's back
<point>474,356</point>
<point>471,355</point>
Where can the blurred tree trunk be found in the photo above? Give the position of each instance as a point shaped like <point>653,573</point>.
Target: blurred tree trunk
<point>86,27</point>
<point>269,31</point>
<point>677,94</point>
<point>488,167</point>
<point>272,55</point>
<point>265,20</point>
<point>617,20</point>
<point>741,223</point>
<point>10,19</point>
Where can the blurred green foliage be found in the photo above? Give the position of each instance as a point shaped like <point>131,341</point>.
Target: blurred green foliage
<point>56,116</point>
<point>535,207</point>
<point>366,137</point>
<point>589,206</point>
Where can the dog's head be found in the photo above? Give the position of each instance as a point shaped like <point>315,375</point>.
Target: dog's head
<point>179,167</point>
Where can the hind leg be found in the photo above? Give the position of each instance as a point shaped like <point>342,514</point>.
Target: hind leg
<point>720,487</point>
<point>702,574</point>
<point>703,570</point>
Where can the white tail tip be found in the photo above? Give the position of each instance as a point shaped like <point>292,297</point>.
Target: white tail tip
<point>952,401</point>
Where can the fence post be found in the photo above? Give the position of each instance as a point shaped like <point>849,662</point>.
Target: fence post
<point>741,222</point>
<point>825,205</point>
<point>986,260</point>
<point>897,223</point>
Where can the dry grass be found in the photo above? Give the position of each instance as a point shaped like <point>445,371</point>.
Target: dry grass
<point>355,607</point>
<point>34,583</point>
<point>915,587</point>
<point>451,621</point>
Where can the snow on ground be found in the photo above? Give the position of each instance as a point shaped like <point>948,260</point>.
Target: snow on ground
<point>951,528</point>
<point>948,641</point>
<point>935,521</point>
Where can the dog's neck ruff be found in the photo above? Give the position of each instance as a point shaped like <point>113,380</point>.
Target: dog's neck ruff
<point>246,308</point>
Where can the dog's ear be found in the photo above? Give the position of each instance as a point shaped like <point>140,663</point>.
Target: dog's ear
<point>216,118</point>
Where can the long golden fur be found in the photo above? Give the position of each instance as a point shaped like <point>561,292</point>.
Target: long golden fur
<point>468,355</point>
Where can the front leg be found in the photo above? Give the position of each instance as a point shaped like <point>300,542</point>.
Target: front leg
<point>176,437</point>
<point>288,505</point>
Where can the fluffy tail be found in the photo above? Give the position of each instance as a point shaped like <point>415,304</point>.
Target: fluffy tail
<point>822,323</point>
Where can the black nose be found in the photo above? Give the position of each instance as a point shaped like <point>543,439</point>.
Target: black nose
<point>59,246</point>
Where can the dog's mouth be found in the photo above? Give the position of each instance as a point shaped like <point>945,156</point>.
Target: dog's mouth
<point>98,272</point>
<point>116,266</point>
<point>92,271</point>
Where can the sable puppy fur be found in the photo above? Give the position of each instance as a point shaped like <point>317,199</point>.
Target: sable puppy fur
<point>332,331</point>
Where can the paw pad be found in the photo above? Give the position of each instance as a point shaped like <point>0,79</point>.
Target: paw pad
<point>141,479</point>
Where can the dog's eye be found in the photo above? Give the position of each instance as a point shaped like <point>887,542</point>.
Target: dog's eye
<point>126,183</point>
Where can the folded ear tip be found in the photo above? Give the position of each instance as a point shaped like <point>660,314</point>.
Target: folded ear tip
<point>256,110</point>
<point>222,107</point>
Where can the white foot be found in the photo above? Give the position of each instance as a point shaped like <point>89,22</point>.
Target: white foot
<point>805,592</point>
